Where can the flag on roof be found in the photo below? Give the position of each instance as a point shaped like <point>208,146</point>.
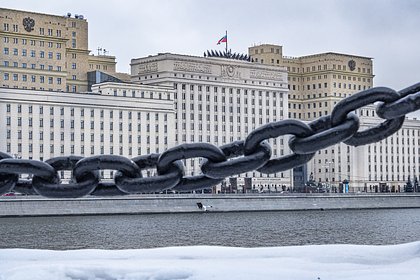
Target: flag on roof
<point>222,40</point>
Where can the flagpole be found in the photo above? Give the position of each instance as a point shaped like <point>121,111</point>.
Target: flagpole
<point>226,43</point>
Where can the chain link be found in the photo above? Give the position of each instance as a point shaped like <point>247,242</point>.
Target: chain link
<point>253,153</point>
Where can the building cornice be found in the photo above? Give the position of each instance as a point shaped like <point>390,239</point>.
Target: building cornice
<point>210,61</point>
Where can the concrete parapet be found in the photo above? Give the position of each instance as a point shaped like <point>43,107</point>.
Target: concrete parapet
<point>146,204</point>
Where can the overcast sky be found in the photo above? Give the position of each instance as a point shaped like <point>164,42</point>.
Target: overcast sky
<point>388,31</point>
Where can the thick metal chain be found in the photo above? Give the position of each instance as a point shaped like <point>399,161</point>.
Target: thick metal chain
<point>253,153</point>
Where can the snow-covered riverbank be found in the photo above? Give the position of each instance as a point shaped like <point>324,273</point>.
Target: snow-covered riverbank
<point>324,262</point>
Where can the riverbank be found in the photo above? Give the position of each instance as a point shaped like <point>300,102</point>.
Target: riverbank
<point>145,204</point>
<point>322,262</point>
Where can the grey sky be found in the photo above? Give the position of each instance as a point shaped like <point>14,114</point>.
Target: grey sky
<point>388,31</point>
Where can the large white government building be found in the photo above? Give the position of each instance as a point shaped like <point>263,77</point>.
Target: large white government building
<point>220,100</point>
<point>127,120</point>
<point>388,164</point>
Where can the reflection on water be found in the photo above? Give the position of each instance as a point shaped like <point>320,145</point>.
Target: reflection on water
<point>244,229</point>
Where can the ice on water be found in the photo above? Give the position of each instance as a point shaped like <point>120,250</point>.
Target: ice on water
<point>316,262</point>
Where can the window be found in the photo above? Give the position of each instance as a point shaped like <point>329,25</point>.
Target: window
<point>58,56</point>
<point>73,66</point>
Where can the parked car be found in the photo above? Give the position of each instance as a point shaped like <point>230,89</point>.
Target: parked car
<point>9,194</point>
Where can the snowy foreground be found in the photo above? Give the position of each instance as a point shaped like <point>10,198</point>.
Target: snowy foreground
<point>322,262</point>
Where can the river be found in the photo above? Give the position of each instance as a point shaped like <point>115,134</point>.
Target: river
<point>241,229</point>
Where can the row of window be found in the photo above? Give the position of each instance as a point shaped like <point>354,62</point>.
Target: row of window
<point>32,53</point>
<point>314,95</point>
<point>335,85</point>
<point>151,94</point>
<point>82,124</point>
<point>223,119</point>
<point>32,78</point>
<point>82,137</point>
<point>200,139</point>
<point>397,168</point>
<point>325,77</point>
<point>388,178</point>
<point>252,111</point>
<point>397,148</point>
<point>397,159</point>
<point>327,173</point>
<point>323,68</point>
<point>241,93</point>
<point>308,114</point>
<point>231,110</point>
<point>82,112</point>
<point>34,88</point>
<point>98,67</point>
<point>31,42</point>
<point>308,105</point>
<point>32,66</point>
<point>239,99</point>
<point>41,30</point>
<point>219,127</point>
<point>271,50</point>
<point>93,150</point>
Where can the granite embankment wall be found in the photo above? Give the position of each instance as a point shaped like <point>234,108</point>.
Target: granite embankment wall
<point>144,204</point>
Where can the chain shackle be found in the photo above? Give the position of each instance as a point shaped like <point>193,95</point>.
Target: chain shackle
<point>409,102</point>
<point>7,180</point>
<point>125,166</point>
<point>238,165</point>
<point>273,130</point>
<point>186,151</point>
<point>325,137</point>
<point>357,101</point>
<point>28,166</point>
<point>157,183</point>
<point>233,149</point>
<point>75,188</point>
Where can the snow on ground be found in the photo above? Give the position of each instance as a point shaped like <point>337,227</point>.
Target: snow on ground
<point>317,262</point>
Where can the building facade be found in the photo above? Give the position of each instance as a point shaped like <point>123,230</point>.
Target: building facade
<point>119,119</point>
<point>220,100</point>
<point>316,84</point>
<point>47,52</point>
